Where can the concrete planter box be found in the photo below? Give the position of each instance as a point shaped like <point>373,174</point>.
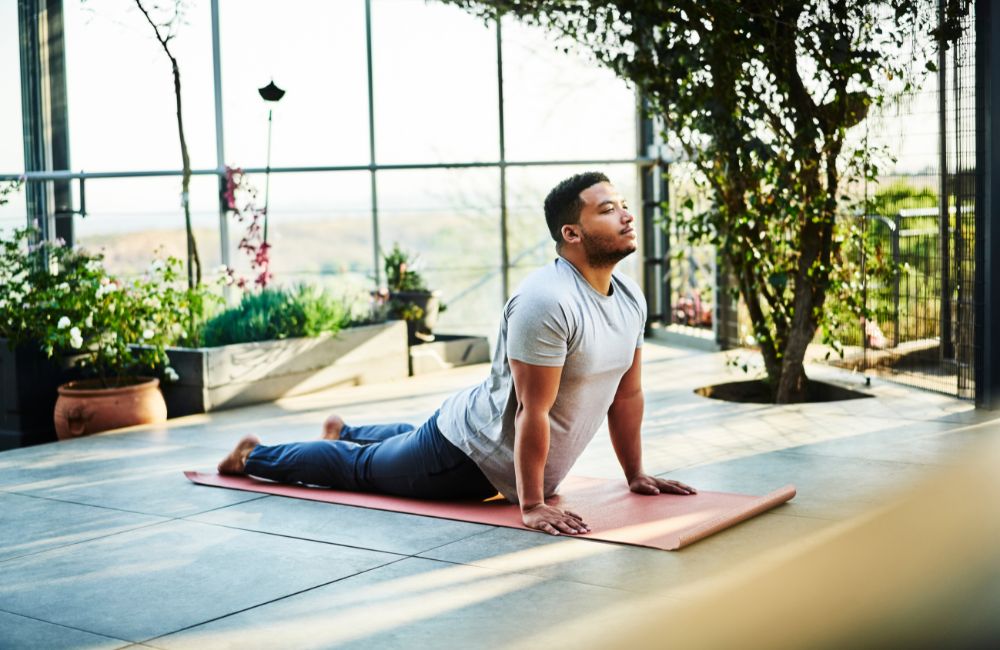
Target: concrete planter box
<point>28,383</point>
<point>247,373</point>
<point>448,351</point>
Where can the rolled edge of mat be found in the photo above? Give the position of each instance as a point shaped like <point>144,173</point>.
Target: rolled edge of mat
<point>735,516</point>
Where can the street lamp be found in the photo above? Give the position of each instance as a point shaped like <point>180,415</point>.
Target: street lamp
<point>271,94</point>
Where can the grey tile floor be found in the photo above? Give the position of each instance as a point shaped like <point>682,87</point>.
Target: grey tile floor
<point>105,544</point>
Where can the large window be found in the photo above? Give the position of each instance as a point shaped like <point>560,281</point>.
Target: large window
<point>315,51</point>
<point>440,188</point>
<point>561,105</point>
<point>435,84</point>
<point>122,114</point>
<point>12,151</point>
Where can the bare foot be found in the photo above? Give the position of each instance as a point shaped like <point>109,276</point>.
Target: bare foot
<point>236,461</point>
<point>332,427</point>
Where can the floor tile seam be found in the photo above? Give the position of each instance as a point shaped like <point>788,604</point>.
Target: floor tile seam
<point>302,539</point>
<point>488,529</point>
<point>151,640</point>
<point>792,515</point>
<point>257,497</point>
<point>791,451</point>
<point>785,450</point>
<point>844,456</point>
<point>131,512</point>
<point>86,541</point>
<point>543,577</point>
<point>68,627</point>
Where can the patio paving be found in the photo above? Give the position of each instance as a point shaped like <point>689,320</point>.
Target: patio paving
<point>105,544</point>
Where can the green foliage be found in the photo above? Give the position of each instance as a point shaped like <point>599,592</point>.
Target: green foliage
<point>8,188</point>
<point>64,301</point>
<point>894,197</point>
<point>761,98</point>
<point>274,314</point>
<point>400,272</point>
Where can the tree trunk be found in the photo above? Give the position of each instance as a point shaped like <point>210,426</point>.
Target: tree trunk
<point>193,261</point>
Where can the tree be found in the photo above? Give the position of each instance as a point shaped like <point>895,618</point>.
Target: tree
<point>165,24</point>
<point>761,96</point>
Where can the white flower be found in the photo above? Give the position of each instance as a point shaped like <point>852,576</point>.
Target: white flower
<point>148,333</point>
<point>106,287</point>
<point>171,374</point>
<point>64,323</point>
<point>63,286</point>
<point>152,303</point>
<point>92,265</point>
<point>75,338</point>
<point>90,320</point>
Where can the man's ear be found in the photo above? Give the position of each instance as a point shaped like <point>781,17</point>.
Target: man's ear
<point>570,233</point>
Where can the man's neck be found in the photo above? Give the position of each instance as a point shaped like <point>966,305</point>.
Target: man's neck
<point>598,277</point>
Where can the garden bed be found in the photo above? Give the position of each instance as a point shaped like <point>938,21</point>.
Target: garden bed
<point>247,373</point>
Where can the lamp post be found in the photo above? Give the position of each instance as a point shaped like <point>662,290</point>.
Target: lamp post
<point>271,94</point>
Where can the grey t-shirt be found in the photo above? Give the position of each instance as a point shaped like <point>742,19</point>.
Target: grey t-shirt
<point>554,319</point>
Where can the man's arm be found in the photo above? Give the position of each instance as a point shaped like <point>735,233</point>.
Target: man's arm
<point>536,388</point>
<point>625,425</point>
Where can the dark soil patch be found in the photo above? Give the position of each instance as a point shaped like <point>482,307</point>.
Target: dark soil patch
<point>756,392</point>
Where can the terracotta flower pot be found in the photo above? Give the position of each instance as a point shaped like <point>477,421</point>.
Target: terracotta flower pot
<point>84,407</point>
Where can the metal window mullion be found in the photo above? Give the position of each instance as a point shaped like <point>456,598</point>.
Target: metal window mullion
<point>376,245</point>
<point>220,149</point>
<point>504,240</point>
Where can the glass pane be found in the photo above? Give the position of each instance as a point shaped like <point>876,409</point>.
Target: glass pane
<point>315,51</point>
<point>530,243</point>
<point>435,84</point>
<point>562,106</point>
<point>129,218</point>
<point>319,229</point>
<point>12,151</point>
<point>12,215</point>
<point>122,110</point>
<point>450,219</point>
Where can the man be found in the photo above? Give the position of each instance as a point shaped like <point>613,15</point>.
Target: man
<point>568,355</point>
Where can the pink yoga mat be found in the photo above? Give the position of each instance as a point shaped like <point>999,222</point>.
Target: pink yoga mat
<point>614,514</point>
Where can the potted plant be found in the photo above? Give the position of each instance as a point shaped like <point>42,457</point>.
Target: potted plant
<point>63,302</point>
<point>408,297</point>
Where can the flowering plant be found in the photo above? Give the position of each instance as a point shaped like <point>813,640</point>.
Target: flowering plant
<point>63,300</point>
<point>241,199</point>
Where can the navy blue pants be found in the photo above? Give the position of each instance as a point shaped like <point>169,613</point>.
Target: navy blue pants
<point>397,459</point>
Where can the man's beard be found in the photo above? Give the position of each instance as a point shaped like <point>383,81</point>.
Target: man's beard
<point>603,251</point>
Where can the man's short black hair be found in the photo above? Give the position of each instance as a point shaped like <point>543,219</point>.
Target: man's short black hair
<point>563,204</point>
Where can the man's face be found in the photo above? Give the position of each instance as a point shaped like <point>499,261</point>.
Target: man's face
<point>606,226</point>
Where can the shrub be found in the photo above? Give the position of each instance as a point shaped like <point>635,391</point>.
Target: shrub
<point>63,301</point>
<point>274,314</point>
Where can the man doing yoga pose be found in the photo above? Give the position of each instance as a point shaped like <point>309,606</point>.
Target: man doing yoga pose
<point>568,355</point>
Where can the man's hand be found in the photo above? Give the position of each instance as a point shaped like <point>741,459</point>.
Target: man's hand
<point>553,520</point>
<point>651,485</point>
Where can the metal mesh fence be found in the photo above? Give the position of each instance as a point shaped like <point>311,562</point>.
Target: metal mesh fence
<point>918,265</point>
